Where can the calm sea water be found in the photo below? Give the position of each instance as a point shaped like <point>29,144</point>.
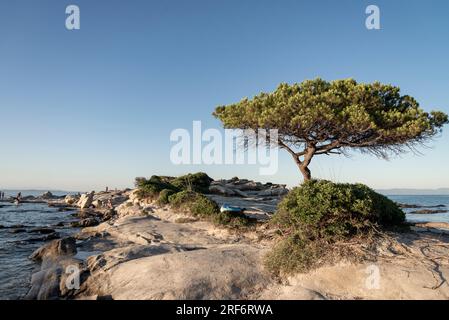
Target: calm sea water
<point>16,268</point>
<point>16,243</point>
<point>425,201</point>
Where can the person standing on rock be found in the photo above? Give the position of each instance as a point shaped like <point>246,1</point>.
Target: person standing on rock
<point>109,204</point>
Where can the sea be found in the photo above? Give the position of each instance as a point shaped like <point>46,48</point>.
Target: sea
<point>16,243</point>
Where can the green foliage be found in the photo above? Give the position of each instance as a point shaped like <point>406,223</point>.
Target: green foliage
<point>197,204</point>
<point>320,213</point>
<point>233,220</point>
<point>317,116</point>
<point>323,208</point>
<point>198,182</point>
<point>150,188</point>
<point>200,206</point>
<point>163,196</point>
<point>186,193</point>
<point>294,254</point>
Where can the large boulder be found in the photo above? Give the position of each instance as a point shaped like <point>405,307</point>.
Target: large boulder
<point>51,282</point>
<point>71,199</point>
<point>47,195</point>
<point>228,272</point>
<point>129,209</point>
<point>87,222</point>
<point>222,190</point>
<point>248,186</point>
<point>86,200</point>
<point>55,249</point>
<point>273,192</point>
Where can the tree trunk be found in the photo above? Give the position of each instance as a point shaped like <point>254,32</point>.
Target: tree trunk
<point>304,165</point>
<point>306,173</point>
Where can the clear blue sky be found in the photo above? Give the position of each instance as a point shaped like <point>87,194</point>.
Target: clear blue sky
<point>84,109</point>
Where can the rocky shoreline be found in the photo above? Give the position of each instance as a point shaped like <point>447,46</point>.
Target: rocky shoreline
<point>136,249</point>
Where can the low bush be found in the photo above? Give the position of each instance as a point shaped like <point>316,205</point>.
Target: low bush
<point>198,182</point>
<point>186,193</point>
<point>195,203</point>
<point>200,206</point>
<point>163,196</point>
<point>320,213</point>
<point>233,220</point>
<point>150,188</point>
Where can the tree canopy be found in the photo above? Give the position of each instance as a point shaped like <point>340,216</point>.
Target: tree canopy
<point>317,117</point>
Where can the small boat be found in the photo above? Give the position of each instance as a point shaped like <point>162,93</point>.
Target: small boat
<point>227,208</point>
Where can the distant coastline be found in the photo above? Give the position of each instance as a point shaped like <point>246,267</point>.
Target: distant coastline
<point>36,192</point>
<point>414,192</point>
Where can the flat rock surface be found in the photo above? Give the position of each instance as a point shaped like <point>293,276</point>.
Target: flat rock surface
<point>151,252</point>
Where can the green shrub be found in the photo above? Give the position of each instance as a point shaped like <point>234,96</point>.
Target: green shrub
<point>233,220</point>
<point>293,254</point>
<point>200,206</point>
<point>150,188</point>
<point>196,203</point>
<point>198,182</point>
<point>322,208</point>
<point>163,196</point>
<point>321,212</point>
<point>186,193</point>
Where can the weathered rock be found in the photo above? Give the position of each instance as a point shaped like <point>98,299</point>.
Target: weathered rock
<point>86,200</point>
<point>71,199</point>
<point>55,249</point>
<point>129,209</point>
<point>251,185</point>
<point>418,206</point>
<point>47,195</point>
<point>229,272</point>
<point>134,196</point>
<point>103,199</point>
<point>219,189</point>
<point>272,192</point>
<point>55,280</point>
<point>428,211</point>
<point>45,284</point>
<point>97,203</point>
<point>87,222</point>
<point>108,215</point>
<point>240,193</point>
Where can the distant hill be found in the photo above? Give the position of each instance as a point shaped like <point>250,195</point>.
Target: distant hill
<point>414,192</point>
